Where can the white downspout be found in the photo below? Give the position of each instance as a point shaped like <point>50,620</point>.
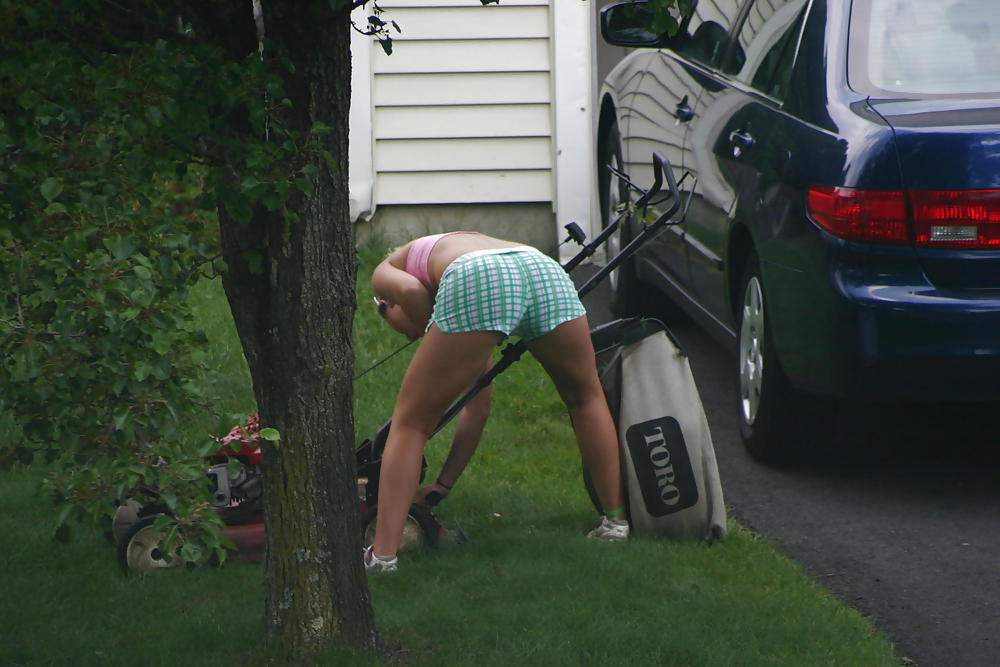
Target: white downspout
<point>360,154</point>
<point>572,48</point>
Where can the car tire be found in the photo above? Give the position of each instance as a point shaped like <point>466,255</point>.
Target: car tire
<point>625,289</point>
<point>777,423</point>
<point>420,531</point>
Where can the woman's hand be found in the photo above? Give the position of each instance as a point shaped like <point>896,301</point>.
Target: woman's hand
<point>425,496</point>
<point>398,320</point>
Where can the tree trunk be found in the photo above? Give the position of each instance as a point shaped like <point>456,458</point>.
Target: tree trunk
<point>295,322</point>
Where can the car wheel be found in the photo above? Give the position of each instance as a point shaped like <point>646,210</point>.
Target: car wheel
<point>626,291</point>
<point>139,548</point>
<point>421,529</point>
<point>776,421</point>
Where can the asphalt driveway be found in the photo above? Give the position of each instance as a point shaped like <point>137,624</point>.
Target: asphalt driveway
<point>899,519</point>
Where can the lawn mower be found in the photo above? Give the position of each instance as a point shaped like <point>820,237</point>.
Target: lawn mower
<point>235,467</point>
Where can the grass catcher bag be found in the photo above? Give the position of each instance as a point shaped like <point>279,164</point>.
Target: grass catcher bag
<point>672,484</point>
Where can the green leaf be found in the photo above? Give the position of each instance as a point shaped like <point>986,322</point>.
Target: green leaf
<point>170,107</point>
<point>191,552</point>
<point>238,208</point>
<point>121,247</point>
<point>51,187</point>
<point>155,116</point>
<point>63,515</point>
<point>208,448</point>
<point>162,342</point>
<point>328,158</point>
<point>305,185</point>
<point>270,434</point>
<point>141,371</point>
<point>103,146</point>
<point>121,416</point>
<point>320,129</point>
<point>249,184</point>
<point>171,501</point>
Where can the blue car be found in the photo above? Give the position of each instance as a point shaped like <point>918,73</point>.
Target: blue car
<point>844,182</point>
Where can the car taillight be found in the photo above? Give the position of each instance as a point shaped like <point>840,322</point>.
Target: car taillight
<point>957,218</point>
<point>871,216</point>
<point>941,218</point>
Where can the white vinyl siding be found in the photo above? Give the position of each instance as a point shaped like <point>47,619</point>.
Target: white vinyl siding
<point>454,122</point>
<point>463,106</point>
<point>458,89</point>
<point>465,154</point>
<point>469,21</point>
<point>494,187</point>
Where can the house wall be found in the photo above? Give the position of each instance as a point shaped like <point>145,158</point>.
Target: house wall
<point>462,119</point>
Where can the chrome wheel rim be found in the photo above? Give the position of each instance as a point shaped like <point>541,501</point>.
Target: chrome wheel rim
<point>613,245</point>
<point>751,351</point>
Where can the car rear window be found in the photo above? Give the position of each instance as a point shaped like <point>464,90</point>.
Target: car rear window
<point>920,48</point>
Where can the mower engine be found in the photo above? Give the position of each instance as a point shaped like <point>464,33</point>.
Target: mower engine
<point>237,477</point>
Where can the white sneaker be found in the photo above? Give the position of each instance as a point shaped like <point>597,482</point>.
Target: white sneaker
<point>375,563</point>
<point>610,530</point>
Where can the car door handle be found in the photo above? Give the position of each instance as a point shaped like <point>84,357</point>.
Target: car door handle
<point>741,141</point>
<point>683,112</point>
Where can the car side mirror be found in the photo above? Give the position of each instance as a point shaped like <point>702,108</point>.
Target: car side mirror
<point>627,24</point>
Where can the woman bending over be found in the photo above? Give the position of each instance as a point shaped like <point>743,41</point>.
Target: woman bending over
<point>463,292</point>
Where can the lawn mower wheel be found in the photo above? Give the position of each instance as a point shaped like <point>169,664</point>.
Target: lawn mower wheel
<point>139,548</point>
<point>421,529</point>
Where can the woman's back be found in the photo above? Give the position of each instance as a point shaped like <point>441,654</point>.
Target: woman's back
<point>447,249</point>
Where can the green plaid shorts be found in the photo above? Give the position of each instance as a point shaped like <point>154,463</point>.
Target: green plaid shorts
<point>516,291</point>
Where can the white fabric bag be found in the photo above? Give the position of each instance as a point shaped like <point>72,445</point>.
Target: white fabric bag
<point>668,460</point>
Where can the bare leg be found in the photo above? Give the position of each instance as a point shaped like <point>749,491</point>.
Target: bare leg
<point>443,366</point>
<point>567,354</point>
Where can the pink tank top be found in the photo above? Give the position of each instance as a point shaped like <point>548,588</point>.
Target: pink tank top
<point>420,253</point>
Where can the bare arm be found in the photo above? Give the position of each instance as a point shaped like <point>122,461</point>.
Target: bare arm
<point>399,288</point>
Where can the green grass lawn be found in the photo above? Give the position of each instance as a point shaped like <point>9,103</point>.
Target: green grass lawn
<point>527,588</point>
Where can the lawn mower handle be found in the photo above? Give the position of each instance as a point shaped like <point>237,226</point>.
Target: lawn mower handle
<point>661,170</point>
<point>660,166</point>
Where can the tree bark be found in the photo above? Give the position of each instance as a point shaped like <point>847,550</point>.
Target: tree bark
<point>295,321</point>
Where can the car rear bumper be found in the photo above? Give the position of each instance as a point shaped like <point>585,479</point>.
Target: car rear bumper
<point>916,342</point>
<point>884,333</point>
